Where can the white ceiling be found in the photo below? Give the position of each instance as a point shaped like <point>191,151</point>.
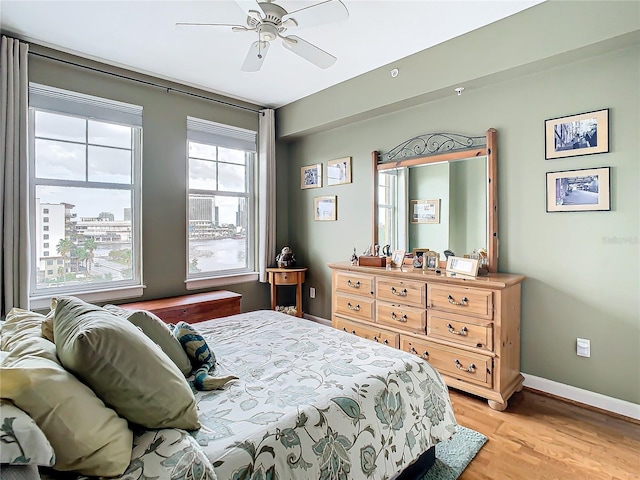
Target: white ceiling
<point>142,36</point>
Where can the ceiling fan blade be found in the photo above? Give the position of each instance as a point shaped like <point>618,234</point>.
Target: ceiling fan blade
<point>257,52</point>
<point>308,51</point>
<point>234,26</point>
<point>328,11</point>
<point>249,6</point>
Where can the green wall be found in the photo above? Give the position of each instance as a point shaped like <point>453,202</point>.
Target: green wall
<point>164,194</point>
<point>582,268</point>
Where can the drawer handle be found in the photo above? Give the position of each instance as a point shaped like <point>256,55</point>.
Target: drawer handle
<point>386,342</point>
<point>464,330</point>
<point>424,355</point>
<point>464,302</point>
<point>375,339</point>
<point>470,369</point>
<point>401,293</point>
<point>351,307</point>
<point>345,330</point>
<point>353,285</point>
<point>403,318</point>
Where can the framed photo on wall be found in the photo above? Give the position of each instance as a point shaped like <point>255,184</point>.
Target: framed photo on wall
<point>324,208</point>
<point>311,176</point>
<point>581,134</point>
<point>582,190</point>
<point>425,211</point>
<point>339,171</point>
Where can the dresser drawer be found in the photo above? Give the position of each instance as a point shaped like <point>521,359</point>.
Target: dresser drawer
<point>456,328</point>
<point>354,284</point>
<point>463,365</point>
<point>408,318</point>
<point>358,307</point>
<point>370,332</point>
<point>465,301</point>
<point>406,292</point>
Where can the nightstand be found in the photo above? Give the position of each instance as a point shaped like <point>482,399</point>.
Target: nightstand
<point>287,276</point>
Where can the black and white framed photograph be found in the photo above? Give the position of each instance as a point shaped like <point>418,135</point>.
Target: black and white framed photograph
<point>339,171</point>
<point>324,208</point>
<point>581,134</point>
<point>311,176</point>
<point>581,190</point>
<point>397,258</point>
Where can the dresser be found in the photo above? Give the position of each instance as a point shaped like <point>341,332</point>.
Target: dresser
<point>468,329</point>
<point>193,308</point>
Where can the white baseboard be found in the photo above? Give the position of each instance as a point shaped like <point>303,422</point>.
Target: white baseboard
<point>587,397</point>
<point>313,318</point>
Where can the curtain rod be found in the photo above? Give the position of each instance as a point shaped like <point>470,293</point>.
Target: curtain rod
<point>145,82</point>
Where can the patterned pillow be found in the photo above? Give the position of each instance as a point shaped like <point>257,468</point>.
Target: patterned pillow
<point>23,443</point>
<point>170,454</point>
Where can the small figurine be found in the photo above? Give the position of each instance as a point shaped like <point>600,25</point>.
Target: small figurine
<point>449,253</point>
<point>367,252</point>
<point>286,258</point>
<point>354,257</point>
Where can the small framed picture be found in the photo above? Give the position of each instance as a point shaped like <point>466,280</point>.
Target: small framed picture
<point>581,134</point>
<point>462,266</point>
<point>397,258</point>
<point>431,260</point>
<point>584,190</point>
<point>419,257</point>
<point>425,211</point>
<point>339,171</point>
<point>311,176</point>
<point>324,208</point>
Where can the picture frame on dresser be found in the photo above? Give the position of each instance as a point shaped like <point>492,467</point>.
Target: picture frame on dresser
<point>397,258</point>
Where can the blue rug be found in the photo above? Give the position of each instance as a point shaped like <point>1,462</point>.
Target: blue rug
<point>453,455</point>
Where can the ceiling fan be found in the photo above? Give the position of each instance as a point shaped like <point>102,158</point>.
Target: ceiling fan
<point>271,21</point>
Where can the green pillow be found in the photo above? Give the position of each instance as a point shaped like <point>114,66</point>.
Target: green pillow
<point>86,436</point>
<point>123,366</point>
<point>158,331</point>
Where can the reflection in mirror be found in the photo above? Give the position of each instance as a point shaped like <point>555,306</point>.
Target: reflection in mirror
<point>453,173</point>
<point>461,188</point>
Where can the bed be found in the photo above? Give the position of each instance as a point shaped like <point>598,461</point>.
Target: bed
<point>310,402</point>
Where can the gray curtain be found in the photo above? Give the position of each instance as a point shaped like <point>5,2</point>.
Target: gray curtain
<point>266,192</point>
<point>14,217</point>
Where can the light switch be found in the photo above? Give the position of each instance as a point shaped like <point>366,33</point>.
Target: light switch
<point>583,347</point>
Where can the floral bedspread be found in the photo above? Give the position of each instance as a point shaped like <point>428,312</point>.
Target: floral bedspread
<point>313,402</point>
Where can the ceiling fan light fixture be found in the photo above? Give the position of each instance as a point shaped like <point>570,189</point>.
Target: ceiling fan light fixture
<point>267,32</point>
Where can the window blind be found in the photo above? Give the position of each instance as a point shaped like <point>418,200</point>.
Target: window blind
<point>221,135</point>
<point>62,101</point>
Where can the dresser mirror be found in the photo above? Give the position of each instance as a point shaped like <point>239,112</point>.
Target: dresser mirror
<point>438,192</point>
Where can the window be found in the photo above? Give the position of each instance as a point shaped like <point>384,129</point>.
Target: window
<point>49,262</point>
<point>220,214</point>
<point>85,157</point>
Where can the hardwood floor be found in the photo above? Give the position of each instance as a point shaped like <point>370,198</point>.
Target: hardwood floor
<point>542,438</point>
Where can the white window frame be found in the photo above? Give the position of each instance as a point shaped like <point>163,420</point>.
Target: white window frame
<point>58,101</point>
<point>220,135</point>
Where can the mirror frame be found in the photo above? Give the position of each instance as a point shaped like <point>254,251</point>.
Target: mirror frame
<point>448,147</point>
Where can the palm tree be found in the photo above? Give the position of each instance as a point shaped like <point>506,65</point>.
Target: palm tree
<point>64,248</point>
<point>90,245</point>
<point>82,255</point>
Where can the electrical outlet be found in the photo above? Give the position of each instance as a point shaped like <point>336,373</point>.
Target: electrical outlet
<point>583,347</point>
<point>312,292</point>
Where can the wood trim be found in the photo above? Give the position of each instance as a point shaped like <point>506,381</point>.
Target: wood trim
<point>492,155</point>
<point>586,406</point>
<point>443,157</point>
<point>374,215</point>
